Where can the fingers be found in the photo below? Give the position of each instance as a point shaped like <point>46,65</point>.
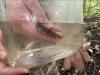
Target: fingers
<point>12,71</point>
<point>2,49</point>
<point>24,20</point>
<point>2,64</point>
<point>78,61</point>
<point>85,56</point>
<point>75,60</point>
<point>37,11</point>
<point>29,30</point>
<point>67,63</point>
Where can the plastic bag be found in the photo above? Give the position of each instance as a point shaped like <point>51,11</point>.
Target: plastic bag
<point>63,11</point>
<point>25,16</point>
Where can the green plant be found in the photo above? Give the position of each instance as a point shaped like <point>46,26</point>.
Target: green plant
<point>91,8</point>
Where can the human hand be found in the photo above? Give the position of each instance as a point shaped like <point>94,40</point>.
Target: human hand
<point>28,19</point>
<point>26,14</point>
<point>5,69</point>
<point>77,60</point>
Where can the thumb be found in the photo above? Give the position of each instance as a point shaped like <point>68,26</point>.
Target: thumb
<point>13,71</point>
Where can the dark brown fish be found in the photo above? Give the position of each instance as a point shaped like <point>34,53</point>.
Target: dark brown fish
<point>46,31</point>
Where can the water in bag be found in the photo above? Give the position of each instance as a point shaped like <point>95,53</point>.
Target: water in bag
<point>22,51</point>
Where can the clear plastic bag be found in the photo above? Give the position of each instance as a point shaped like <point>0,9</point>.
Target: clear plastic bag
<point>63,11</point>
<point>24,47</point>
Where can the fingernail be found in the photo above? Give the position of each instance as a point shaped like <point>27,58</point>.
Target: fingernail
<point>59,34</point>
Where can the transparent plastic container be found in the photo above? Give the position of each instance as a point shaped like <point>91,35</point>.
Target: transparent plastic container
<point>29,52</point>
